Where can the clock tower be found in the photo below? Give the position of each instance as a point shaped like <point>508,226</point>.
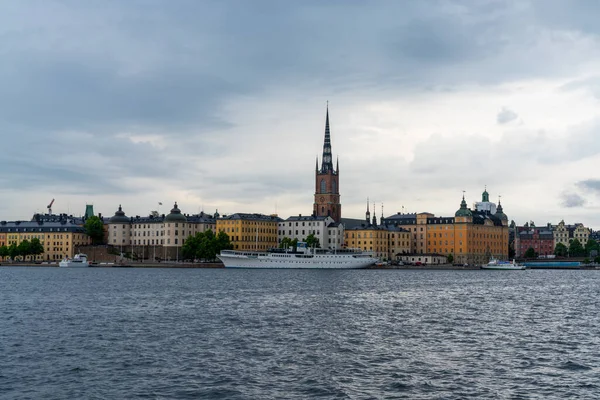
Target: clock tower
<point>327,188</point>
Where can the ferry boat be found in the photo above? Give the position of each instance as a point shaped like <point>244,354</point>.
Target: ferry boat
<point>504,265</point>
<point>78,261</point>
<point>303,257</point>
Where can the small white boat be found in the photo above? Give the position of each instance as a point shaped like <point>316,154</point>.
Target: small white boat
<point>78,261</point>
<point>503,265</point>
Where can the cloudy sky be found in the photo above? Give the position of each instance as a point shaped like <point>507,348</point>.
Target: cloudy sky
<point>221,105</point>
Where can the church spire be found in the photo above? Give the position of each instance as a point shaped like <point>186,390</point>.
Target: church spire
<point>368,213</point>
<point>327,164</point>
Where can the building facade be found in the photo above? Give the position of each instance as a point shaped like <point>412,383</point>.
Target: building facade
<point>156,236</point>
<point>60,235</point>
<point>565,233</point>
<point>327,202</point>
<point>251,232</point>
<point>329,232</point>
<point>471,236</point>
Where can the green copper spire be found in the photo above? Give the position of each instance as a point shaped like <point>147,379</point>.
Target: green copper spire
<point>463,211</point>
<point>485,196</point>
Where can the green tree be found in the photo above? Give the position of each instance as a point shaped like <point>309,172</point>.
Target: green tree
<point>24,249</point>
<point>450,258</point>
<point>575,248</point>
<point>560,250</point>
<point>286,242</point>
<point>597,259</point>
<point>35,247</point>
<point>13,251</point>
<point>94,227</point>
<point>191,247</point>
<point>312,241</point>
<point>222,242</point>
<point>3,251</point>
<point>530,253</point>
<point>590,246</point>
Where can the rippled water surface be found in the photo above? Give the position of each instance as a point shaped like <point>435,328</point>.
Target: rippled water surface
<point>254,334</point>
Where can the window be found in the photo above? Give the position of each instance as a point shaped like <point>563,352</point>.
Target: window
<point>323,186</point>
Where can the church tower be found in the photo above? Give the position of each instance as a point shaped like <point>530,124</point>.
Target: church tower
<point>327,189</point>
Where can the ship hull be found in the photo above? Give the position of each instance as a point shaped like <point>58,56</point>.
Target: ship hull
<point>291,262</point>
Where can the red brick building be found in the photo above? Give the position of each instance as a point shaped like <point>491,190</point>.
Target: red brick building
<point>541,240</point>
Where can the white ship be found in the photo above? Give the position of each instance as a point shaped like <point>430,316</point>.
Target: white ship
<point>78,261</point>
<point>303,257</point>
<point>504,265</point>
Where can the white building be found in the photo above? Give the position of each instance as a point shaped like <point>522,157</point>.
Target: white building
<point>329,232</point>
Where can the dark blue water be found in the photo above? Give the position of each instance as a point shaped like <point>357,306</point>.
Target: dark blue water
<point>251,334</point>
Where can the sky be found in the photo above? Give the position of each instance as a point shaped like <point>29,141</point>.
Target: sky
<point>221,105</point>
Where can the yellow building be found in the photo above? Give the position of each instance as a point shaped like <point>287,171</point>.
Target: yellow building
<point>386,242</point>
<point>472,237</point>
<point>253,232</point>
<point>60,235</point>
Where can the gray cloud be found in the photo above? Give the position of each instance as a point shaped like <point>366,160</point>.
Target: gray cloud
<point>79,79</point>
<point>592,185</point>
<point>505,116</point>
<point>572,200</point>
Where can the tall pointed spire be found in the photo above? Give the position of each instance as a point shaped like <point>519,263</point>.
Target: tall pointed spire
<point>368,213</point>
<point>327,164</point>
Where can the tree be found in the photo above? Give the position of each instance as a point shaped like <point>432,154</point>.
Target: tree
<point>24,249</point>
<point>3,251</point>
<point>13,251</point>
<point>312,241</point>
<point>286,242</point>
<point>94,227</point>
<point>205,245</point>
<point>191,247</point>
<point>590,246</point>
<point>511,250</point>
<point>575,248</point>
<point>450,258</point>
<point>35,247</point>
<point>560,250</point>
<point>530,253</point>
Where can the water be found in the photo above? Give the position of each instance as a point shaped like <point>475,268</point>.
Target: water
<point>102,333</point>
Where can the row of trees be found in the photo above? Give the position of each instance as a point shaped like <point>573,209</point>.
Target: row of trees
<point>311,241</point>
<point>205,246</point>
<point>24,249</point>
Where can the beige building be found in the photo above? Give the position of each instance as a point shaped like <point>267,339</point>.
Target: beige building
<point>156,236</point>
<point>565,233</point>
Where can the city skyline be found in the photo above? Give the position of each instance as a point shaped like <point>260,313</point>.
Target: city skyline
<point>136,103</point>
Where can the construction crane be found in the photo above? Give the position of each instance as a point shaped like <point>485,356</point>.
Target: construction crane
<point>49,207</point>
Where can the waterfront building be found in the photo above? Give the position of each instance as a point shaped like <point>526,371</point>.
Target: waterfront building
<point>386,242</point>
<point>329,232</point>
<point>252,232</point>
<point>156,236</point>
<point>565,233</point>
<point>541,240</point>
<point>471,236</point>
<point>60,235</point>
<point>327,201</point>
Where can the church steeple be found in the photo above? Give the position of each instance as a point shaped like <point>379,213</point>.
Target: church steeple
<point>327,163</point>
<point>368,213</point>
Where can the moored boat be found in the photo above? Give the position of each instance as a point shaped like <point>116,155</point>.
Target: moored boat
<point>303,257</point>
<point>78,261</point>
<point>503,265</point>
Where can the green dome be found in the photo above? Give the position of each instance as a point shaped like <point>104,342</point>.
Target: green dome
<point>119,217</point>
<point>500,213</point>
<point>463,211</point>
<point>175,215</point>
